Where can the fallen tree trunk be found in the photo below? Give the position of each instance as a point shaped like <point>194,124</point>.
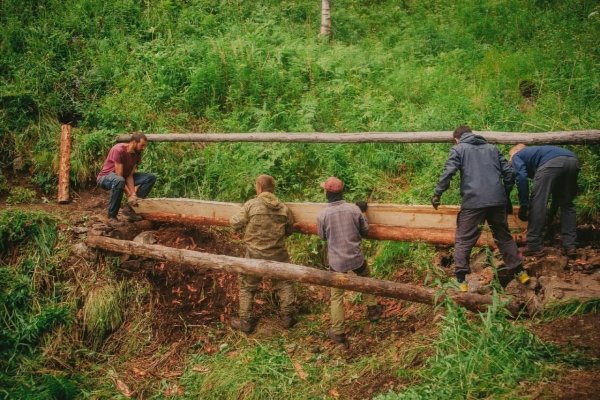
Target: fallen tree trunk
<point>559,137</point>
<point>289,272</point>
<point>403,223</point>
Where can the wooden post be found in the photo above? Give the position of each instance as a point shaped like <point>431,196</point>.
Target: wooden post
<point>289,272</point>
<point>65,164</point>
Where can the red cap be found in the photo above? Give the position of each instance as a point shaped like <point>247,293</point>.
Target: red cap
<point>333,185</point>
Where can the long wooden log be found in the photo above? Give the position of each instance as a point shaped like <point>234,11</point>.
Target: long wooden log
<point>404,223</point>
<point>289,272</point>
<point>557,137</point>
<point>65,164</point>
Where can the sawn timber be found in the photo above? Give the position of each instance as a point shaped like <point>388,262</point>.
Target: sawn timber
<point>405,223</point>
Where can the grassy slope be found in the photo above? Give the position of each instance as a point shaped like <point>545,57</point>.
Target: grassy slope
<point>259,66</point>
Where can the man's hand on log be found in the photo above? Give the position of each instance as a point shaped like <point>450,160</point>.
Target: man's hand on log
<point>132,200</point>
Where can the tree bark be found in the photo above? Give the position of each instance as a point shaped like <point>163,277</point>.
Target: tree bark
<point>289,272</point>
<point>65,164</point>
<point>562,137</point>
<point>325,18</point>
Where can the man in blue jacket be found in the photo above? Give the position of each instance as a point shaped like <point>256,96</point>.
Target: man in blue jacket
<point>486,178</point>
<point>554,171</point>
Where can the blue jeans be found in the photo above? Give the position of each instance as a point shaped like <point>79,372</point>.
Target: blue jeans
<point>116,185</point>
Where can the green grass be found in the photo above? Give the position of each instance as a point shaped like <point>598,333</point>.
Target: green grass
<point>484,358</point>
<point>32,306</point>
<point>231,66</point>
<point>260,66</point>
<point>103,311</point>
<point>21,195</point>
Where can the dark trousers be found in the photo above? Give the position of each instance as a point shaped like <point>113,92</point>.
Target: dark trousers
<point>116,185</point>
<point>559,178</point>
<point>468,230</point>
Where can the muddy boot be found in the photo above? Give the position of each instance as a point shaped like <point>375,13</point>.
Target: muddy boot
<point>505,276</point>
<point>374,312</point>
<point>242,325</point>
<point>115,223</point>
<point>288,321</point>
<point>530,252</point>
<point>130,214</point>
<point>339,338</point>
<point>570,252</point>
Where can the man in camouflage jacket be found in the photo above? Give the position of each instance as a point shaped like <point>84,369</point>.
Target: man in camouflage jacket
<point>265,222</point>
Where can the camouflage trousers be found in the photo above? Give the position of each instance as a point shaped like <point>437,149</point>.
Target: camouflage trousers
<point>249,286</point>
<point>337,301</point>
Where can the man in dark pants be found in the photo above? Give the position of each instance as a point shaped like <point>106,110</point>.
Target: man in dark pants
<point>486,179</point>
<point>119,175</point>
<point>554,171</point>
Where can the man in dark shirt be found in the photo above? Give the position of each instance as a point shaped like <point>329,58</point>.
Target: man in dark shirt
<point>554,171</point>
<point>343,225</point>
<point>485,180</point>
<point>119,175</point>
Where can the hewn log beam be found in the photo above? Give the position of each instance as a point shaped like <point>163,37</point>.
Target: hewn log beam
<point>558,137</point>
<point>404,223</point>
<point>289,272</point>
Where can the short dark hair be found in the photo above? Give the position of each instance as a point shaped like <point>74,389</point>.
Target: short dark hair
<point>137,137</point>
<point>266,183</point>
<point>458,132</point>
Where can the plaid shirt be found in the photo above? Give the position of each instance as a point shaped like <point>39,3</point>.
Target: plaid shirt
<point>342,225</point>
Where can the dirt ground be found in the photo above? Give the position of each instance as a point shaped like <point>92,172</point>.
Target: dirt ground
<point>185,298</point>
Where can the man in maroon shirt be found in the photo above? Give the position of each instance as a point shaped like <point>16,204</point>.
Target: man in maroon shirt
<point>119,175</point>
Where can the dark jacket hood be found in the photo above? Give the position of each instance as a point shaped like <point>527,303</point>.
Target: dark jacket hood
<point>471,138</point>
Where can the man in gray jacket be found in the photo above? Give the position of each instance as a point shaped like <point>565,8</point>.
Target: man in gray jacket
<point>486,180</point>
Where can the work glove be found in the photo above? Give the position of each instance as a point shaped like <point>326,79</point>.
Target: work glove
<point>362,205</point>
<point>435,201</point>
<point>509,206</point>
<point>523,213</point>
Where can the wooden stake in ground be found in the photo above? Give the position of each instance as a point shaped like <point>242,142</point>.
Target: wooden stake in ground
<point>289,272</point>
<point>65,164</point>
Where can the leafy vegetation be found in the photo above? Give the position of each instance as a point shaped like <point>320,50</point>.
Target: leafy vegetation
<point>259,66</point>
<point>117,66</point>
<point>33,306</point>
<point>21,195</point>
<point>488,357</point>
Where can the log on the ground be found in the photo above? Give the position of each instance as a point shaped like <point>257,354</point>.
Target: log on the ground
<point>289,272</point>
<point>65,164</point>
<point>405,223</point>
<point>557,137</point>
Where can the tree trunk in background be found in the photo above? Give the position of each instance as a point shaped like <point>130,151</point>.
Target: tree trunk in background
<point>65,164</point>
<point>325,18</point>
